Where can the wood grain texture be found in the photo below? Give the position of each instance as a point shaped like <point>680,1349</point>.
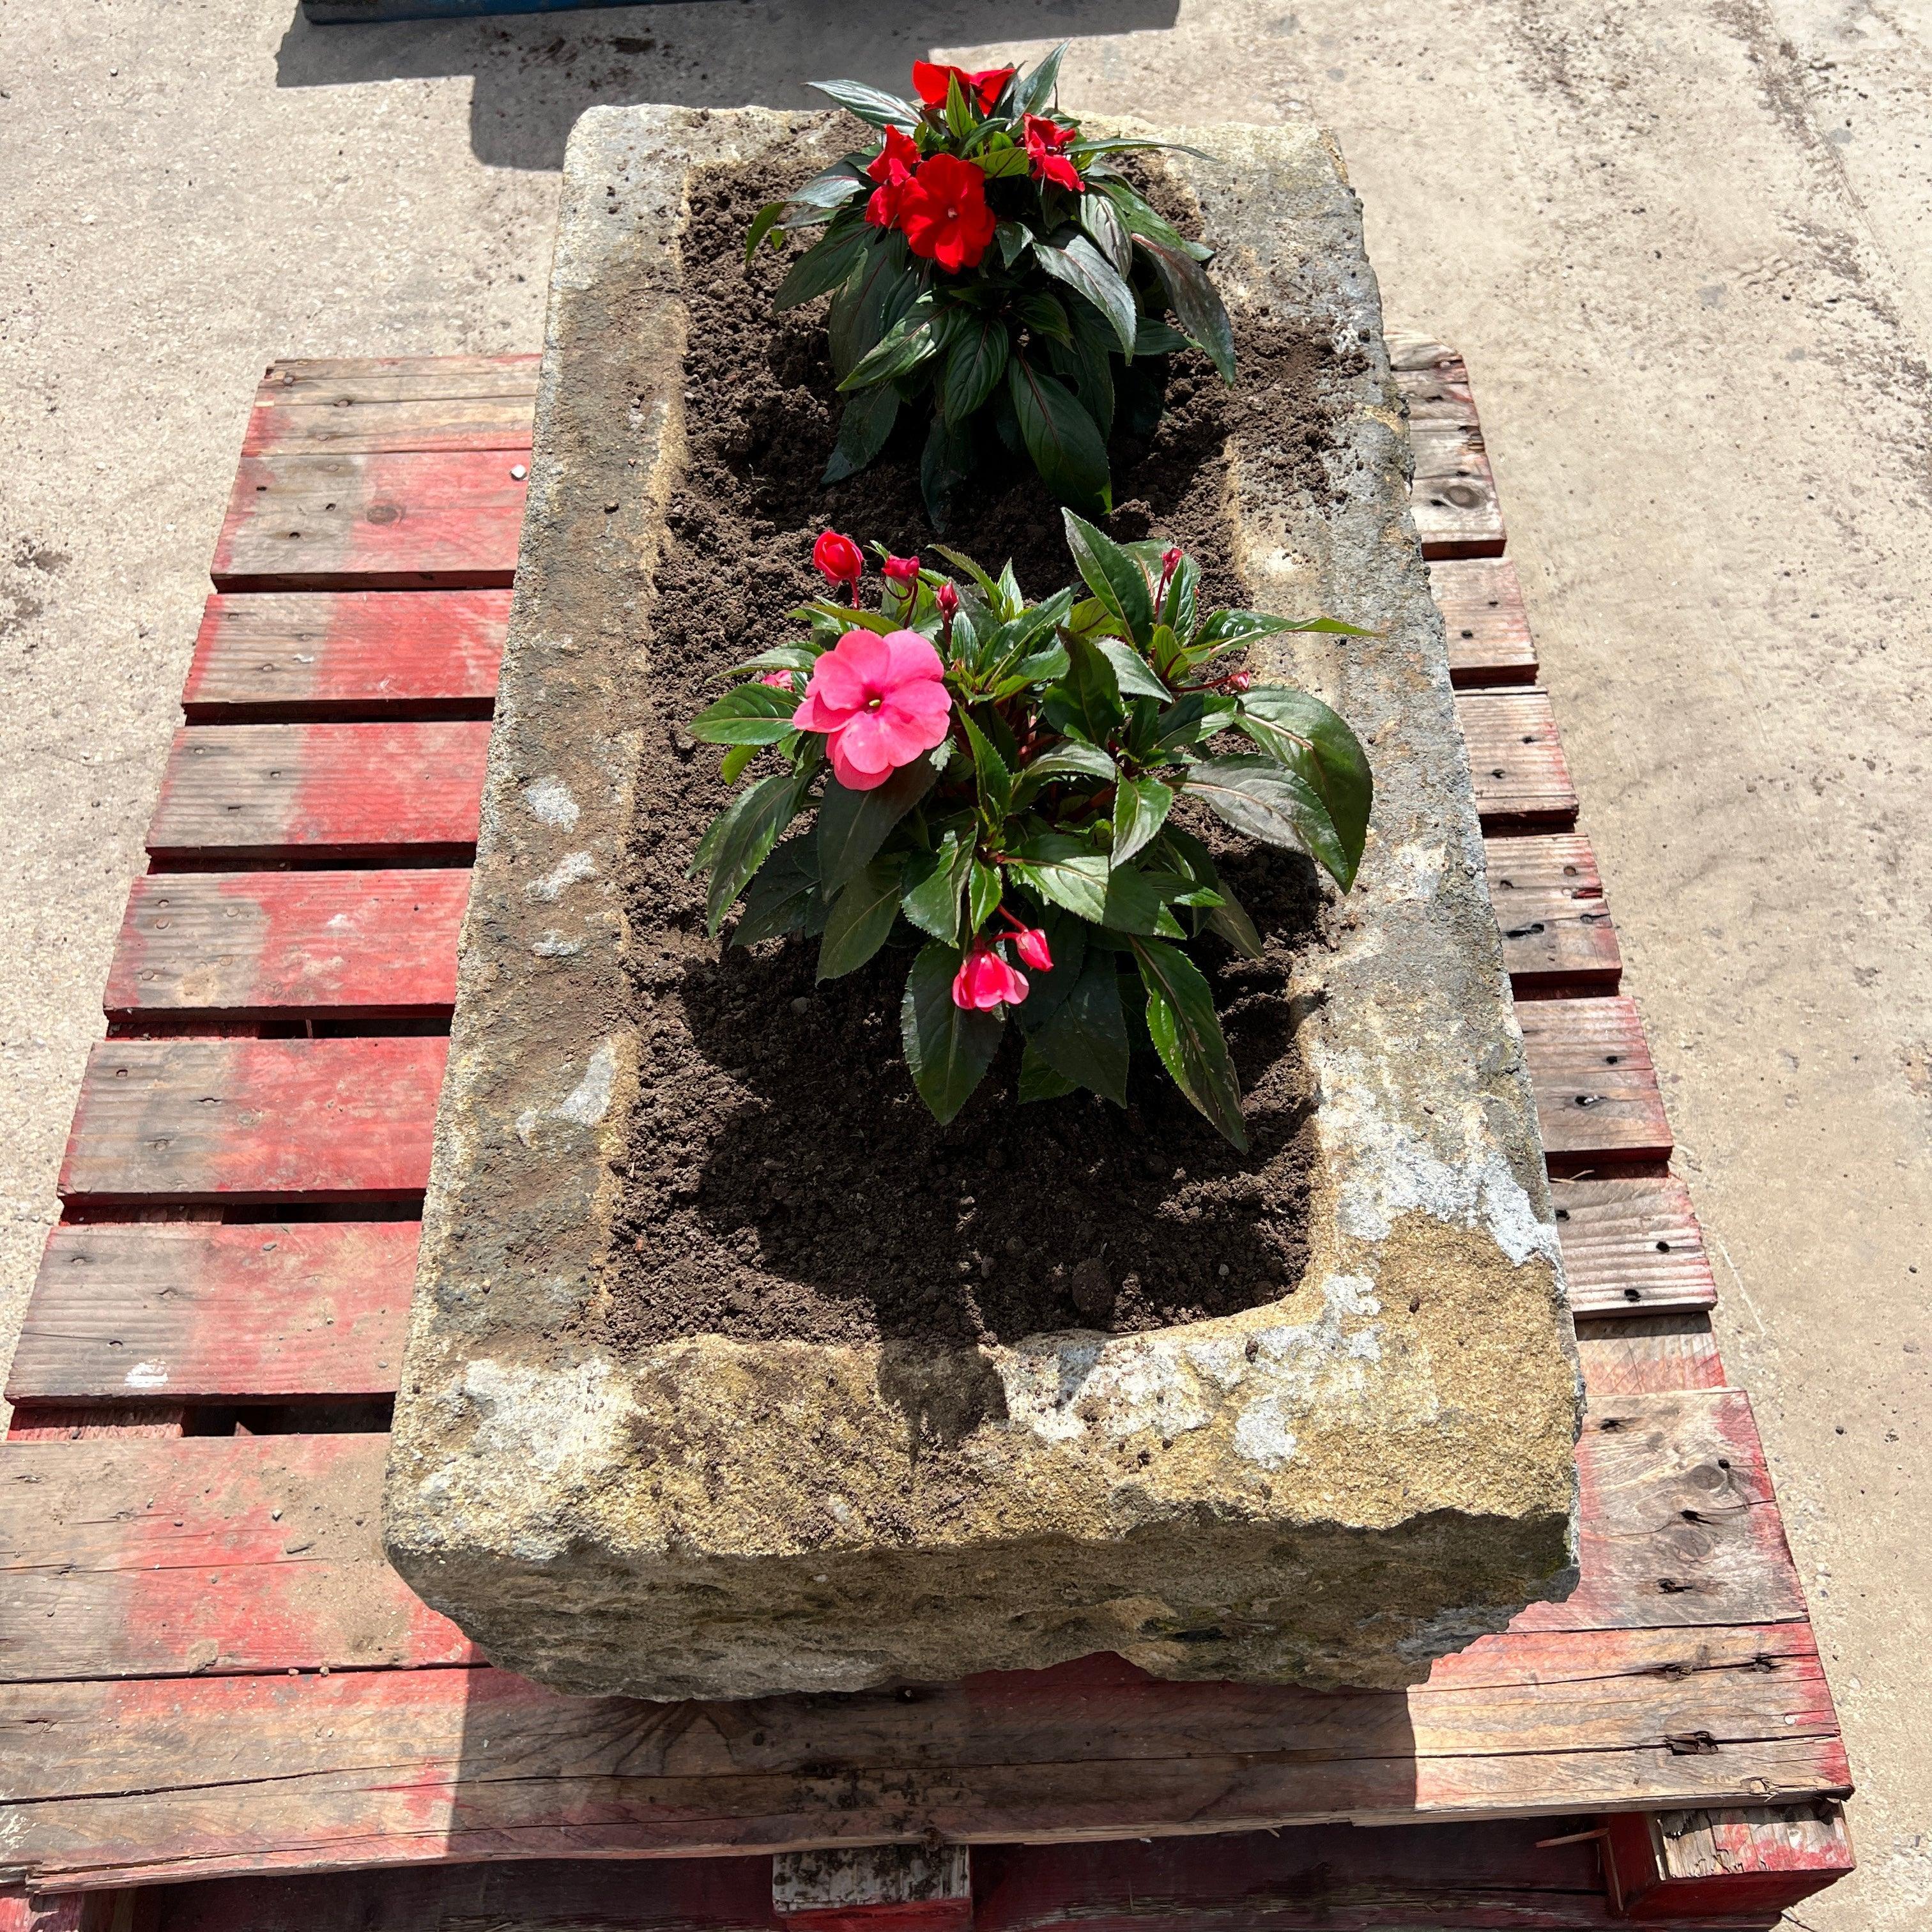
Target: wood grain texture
<point>1483,620</point>
<point>1597,1097</point>
<point>347,654</point>
<point>398,521</point>
<point>1648,1354</point>
<point>1633,1246</point>
<point>249,1774</point>
<point>200,946</point>
<point>211,1312</point>
<point>1453,498</point>
<point>1556,929</point>
<point>1679,1866</point>
<point>248,795</point>
<point>1679,1528</point>
<point>252,1119</point>
<point>1515,760</point>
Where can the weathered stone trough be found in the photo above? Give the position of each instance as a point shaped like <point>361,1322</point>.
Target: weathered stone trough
<point>1333,1487</point>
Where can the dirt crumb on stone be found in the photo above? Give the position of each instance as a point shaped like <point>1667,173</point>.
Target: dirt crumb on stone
<point>786,1180</point>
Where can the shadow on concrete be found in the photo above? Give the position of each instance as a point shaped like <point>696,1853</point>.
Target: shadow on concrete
<point>534,74</point>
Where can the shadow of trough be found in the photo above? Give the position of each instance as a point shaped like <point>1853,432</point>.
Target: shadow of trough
<point>536,74</point>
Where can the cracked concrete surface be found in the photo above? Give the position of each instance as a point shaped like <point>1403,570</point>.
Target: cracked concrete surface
<point>1685,251</point>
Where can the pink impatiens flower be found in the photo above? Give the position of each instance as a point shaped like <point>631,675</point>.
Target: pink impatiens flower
<point>985,980</point>
<point>880,701</point>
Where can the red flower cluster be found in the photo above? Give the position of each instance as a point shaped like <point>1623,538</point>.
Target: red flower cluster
<point>1046,143</point>
<point>930,80</point>
<point>940,202</point>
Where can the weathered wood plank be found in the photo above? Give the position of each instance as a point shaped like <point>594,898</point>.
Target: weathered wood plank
<point>89,1422</point>
<point>1516,759</point>
<point>210,1312</point>
<point>252,1119</point>
<point>242,795</point>
<point>1453,498</point>
<point>1556,928</point>
<point>404,520</point>
<point>200,946</point>
<point>1484,620</point>
<point>241,1774</point>
<point>1744,1860</point>
<point>162,1546</point>
<point>304,381</point>
<point>1648,1354</point>
<point>1597,1096</point>
<point>219,1553</point>
<point>1633,1245</point>
<point>339,655</point>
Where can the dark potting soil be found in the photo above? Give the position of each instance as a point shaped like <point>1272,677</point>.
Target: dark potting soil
<point>787,1182</point>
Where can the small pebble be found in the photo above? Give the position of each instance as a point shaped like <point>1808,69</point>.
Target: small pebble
<point>608,508</point>
<point>801,1005</point>
<point>518,471</point>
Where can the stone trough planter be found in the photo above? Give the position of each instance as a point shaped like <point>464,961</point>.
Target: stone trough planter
<point>1329,1477</point>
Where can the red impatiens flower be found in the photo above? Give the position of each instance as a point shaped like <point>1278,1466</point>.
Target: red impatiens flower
<point>1045,141</point>
<point>892,167</point>
<point>902,571</point>
<point>929,81</point>
<point>880,701</point>
<point>985,980</point>
<point>838,560</point>
<point>944,214</point>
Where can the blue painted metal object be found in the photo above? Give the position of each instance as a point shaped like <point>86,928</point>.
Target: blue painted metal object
<point>342,13</point>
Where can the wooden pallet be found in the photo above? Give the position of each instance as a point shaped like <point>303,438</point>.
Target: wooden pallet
<point>208,1670</point>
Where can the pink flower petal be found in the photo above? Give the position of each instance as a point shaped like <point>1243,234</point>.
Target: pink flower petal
<point>849,774</point>
<point>867,741</point>
<point>815,714</point>
<point>911,656</point>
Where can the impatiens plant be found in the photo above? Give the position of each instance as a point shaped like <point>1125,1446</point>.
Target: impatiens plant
<point>998,782</point>
<point>992,270</point>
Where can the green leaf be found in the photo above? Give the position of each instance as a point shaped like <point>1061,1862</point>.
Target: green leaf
<point>1004,163</point>
<point>1138,218</point>
<point>1132,672</point>
<point>1085,1039</point>
<point>833,186</point>
<point>861,919</point>
<point>779,657</point>
<point>762,225</point>
<point>748,714</point>
<point>779,897</point>
<point>1231,921</point>
<point>1194,715</point>
<point>1232,627</point>
<point>1186,1034</point>
<point>1088,361</point>
<point>1091,692</point>
<point>872,106</point>
<point>1098,218</point>
<point>1177,607</point>
<point>1081,266</point>
<point>1033,90</point>
<point>974,366</point>
<point>1157,337</point>
<point>1067,872</point>
<point>1317,745</point>
<point>1060,436</point>
<point>1042,668</point>
<point>1140,806</point>
<point>1014,240</point>
<point>1195,302</point>
<point>1045,315</point>
<point>748,831</point>
<point>879,292</point>
<point>958,115</point>
<point>1131,904</point>
<point>947,1049</point>
<point>863,428</point>
<point>1039,1082</point>
<point>731,766</point>
<point>933,886</point>
<point>1113,576</point>
<point>984,892</point>
<point>945,466</point>
<point>996,782</point>
<point>853,825</point>
<point>822,267</point>
<point>908,343</point>
<point>1269,801</point>
<point>1070,760</point>
<point>847,618</point>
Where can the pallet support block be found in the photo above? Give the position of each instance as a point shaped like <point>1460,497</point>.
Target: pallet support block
<point>879,1888</point>
<point>1682,1865</point>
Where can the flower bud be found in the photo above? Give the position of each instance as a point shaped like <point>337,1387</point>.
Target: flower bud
<point>903,571</point>
<point>948,600</point>
<point>1170,560</point>
<point>1031,943</point>
<point>838,560</point>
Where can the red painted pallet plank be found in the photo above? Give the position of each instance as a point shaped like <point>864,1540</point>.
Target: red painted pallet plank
<point>252,1119</point>
<point>1648,1354</point>
<point>208,1311</point>
<point>1484,621</point>
<point>1516,759</point>
<point>203,946</point>
<point>347,654</point>
<point>232,1774</point>
<point>419,403</point>
<point>1678,1529</point>
<point>242,795</point>
<point>1597,1096</point>
<point>1633,1246</point>
<point>217,1554</point>
<point>407,520</point>
<point>1556,928</point>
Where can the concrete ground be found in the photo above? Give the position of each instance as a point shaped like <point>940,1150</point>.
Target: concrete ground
<point>1685,249</point>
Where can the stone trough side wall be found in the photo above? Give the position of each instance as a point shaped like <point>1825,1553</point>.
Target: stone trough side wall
<point>1332,1488</point>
